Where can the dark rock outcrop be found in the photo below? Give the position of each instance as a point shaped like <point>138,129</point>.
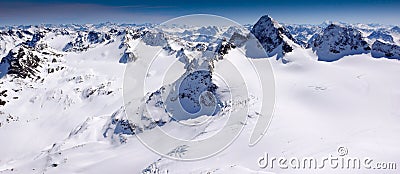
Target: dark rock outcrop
<point>380,49</point>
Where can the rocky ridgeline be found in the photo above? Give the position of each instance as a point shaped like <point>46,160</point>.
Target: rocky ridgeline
<point>22,47</point>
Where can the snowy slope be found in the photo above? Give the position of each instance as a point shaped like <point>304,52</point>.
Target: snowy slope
<point>62,107</point>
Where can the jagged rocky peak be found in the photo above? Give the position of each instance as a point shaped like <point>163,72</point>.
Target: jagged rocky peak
<point>22,62</point>
<point>381,35</point>
<point>208,30</point>
<point>223,47</point>
<point>88,39</point>
<point>154,38</point>
<point>95,37</point>
<point>381,49</point>
<point>396,29</point>
<point>127,57</point>
<point>205,30</point>
<point>77,44</point>
<point>337,41</point>
<point>238,39</point>
<point>228,33</point>
<point>274,38</point>
<point>302,32</point>
<point>35,39</point>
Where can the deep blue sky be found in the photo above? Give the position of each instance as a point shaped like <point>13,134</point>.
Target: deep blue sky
<point>155,11</point>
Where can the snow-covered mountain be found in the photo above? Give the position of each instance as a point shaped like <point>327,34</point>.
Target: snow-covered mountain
<point>62,108</point>
<point>381,35</point>
<point>303,32</point>
<point>336,41</point>
<point>274,37</point>
<point>387,50</point>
